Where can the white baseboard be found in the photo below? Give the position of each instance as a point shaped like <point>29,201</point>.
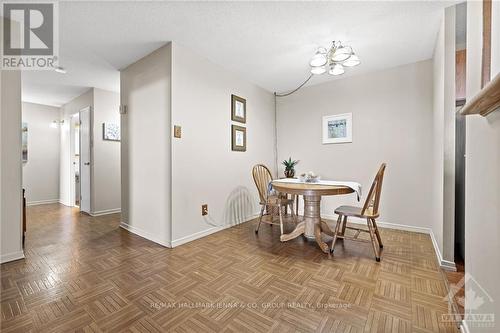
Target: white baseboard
<point>144,234</point>
<point>182,240</point>
<point>196,235</point>
<point>106,212</point>
<point>11,257</point>
<point>62,202</point>
<point>464,328</point>
<point>444,264</point>
<point>203,233</point>
<point>387,225</point>
<point>42,202</point>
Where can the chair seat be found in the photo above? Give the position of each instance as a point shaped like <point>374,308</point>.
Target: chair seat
<point>354,211</point>
<point>275,201</point>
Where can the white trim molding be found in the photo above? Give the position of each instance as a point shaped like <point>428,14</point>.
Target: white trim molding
<point>106,212</point>
<point>209,231</point>
<point>196,235</point>
<point>182,240</point>
<point>11,257</point>
<point>42,202</point>
<point>64,203</point>
<point>387,225</point>
<point>463,327</point>
<point>144,234</point>
<point>444,264</point>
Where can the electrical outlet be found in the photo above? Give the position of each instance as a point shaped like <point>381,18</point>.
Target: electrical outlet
<point>177,131</point>
<point>204,210</point>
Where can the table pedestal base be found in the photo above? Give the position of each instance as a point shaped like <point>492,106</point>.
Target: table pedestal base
<point>312,226</point>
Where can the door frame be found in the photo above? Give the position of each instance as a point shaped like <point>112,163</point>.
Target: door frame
<point>460,192</point>
<point>72,185</point>
<point>91,156</point>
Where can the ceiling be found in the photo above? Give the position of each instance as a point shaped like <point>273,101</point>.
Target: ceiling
<point>267,43</point>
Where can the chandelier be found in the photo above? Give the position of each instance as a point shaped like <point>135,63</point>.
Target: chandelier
<point>334,59</point>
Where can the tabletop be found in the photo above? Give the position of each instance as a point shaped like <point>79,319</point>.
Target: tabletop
<point>311,189</point>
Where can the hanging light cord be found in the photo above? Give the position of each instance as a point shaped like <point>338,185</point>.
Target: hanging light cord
<point>276,120</point>
<point>296,89</point>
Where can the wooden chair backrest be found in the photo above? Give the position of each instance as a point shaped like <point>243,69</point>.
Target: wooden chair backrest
<point>262,177</point>
<point>373,199</point>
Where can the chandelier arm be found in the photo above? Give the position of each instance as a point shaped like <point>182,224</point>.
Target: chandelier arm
<point>296,89</point>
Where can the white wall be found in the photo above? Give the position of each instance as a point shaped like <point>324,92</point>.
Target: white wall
<point>106,154</point>
<point>204,169</point>
<point>10,168</point>
<point>443,132</point>
<point>66,168</point>
<point>482,179</point>
<point>392,123</point>
<point>437,189</point>
<point>41,171</point>
<point>145,88</point>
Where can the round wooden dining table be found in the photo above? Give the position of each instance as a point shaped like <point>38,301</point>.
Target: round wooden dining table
<point>311,226</point>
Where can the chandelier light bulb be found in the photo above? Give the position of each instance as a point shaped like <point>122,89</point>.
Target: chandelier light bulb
<point>318,70</point>
<point>320,58</point>
<point>352,61</point>
<point>336,69</point>
<point>342,54</point>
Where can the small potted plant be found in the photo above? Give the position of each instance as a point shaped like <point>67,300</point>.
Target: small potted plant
<point>290,167</point>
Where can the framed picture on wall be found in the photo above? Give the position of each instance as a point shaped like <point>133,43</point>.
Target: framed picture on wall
<point>238,138</point>
<point>238,109</point>
<point>110,132</point>
<point>337,128</point>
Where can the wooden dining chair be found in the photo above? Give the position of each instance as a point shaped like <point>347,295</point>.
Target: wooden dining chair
<point>369,211</point>
<point>270,202</point>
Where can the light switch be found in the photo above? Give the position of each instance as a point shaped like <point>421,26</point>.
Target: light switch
<point>177,131</point>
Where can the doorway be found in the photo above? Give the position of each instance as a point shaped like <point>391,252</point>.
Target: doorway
<point>85,160</point>
<point>75,122</point>
<point>80,160</point>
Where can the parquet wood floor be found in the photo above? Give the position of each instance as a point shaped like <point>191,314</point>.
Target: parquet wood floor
<point>85,274</point>
<point>455,282</point>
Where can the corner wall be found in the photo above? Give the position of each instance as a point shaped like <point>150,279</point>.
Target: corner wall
<point>443,133</point>
<point>106,154</point>
<point>204,169</point>
<point>41,171</point>
<point>145,89</point>
<point>165,180</point>
<point>10,167</point>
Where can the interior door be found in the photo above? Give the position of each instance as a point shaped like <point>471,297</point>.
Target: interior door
<point>85,159</point>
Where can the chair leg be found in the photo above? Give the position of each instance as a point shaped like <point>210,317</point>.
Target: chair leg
<point>344,224</point>
<point>273,213</point>
<point>281,219</point>
<point>376,250</point>
<point>377,233</point>
<point>337,227</point>
<point>260,218</point>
